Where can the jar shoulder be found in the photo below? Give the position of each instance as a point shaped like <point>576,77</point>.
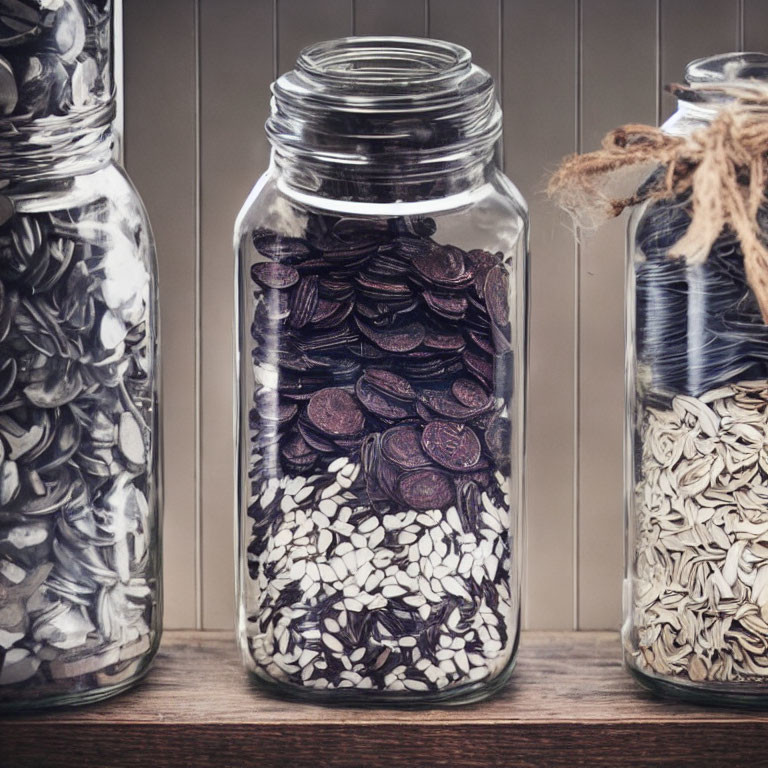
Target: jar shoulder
<point>493,215</point>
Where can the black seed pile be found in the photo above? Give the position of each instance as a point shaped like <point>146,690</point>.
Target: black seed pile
<point>78,411</point>
<point>380,448</point>
<point>698,326</point>
<point>76,418</point>
<point>54,56</point>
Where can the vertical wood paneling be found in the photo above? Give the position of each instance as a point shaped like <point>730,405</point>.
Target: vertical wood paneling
<point>691,29</point>
<point>160,153</point>
<point>300,23</point>
<point>393,17</point>
<point>472,24</point>
<point>613,32</point>
<point>756,25</point>
<point>234,103</point>
<point>539,114</point>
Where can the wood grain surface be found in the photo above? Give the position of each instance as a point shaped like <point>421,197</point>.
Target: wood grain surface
<point>569,704</point>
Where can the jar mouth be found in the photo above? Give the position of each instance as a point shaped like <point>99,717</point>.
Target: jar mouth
<point>392,62</point>
<point>384,108</point>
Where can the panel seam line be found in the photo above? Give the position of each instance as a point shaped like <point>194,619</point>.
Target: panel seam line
<point>198,334</point>
<point>577,334</point>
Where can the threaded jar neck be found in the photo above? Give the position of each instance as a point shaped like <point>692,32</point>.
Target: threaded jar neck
<point>57,98</point>
<point>700,105</point>
<point>384,119</point>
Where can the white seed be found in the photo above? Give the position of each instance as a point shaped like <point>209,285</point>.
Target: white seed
<point>326,572</point>
<point>392,590</point>
<point>345,529</point>
<point>304,493</point>
<point>328,507</point>
<point>294,485</point>
<point>453,586</point>
<point>320,520</point>
<point>368,525</point>
<point>268,496</point>
<point>282,538</point>
<point>337,464</point>
<point>330,491</point>
<point>329,641</point>
<point>324,540</point>
<point>453,519</point>
<point>373,581</point>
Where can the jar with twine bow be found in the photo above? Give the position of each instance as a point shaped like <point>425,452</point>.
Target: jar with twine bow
<point>696,484</point>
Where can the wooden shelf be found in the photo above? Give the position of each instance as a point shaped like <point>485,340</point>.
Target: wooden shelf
<point>568,704</point>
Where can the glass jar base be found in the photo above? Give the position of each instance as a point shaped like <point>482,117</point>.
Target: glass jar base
<point>471,693</point>
<point>712,695</point>
<point>76,698</point>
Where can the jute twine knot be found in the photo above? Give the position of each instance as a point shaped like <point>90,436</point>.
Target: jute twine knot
<point>722,166</point>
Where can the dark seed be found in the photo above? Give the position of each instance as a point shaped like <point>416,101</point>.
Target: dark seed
<point>303,302</point>
<point>379,404</point>
<point>497,437</point>
<point>470,393</point>
<point>390,383</point>
<point>335,412</point>
<point>402,445</point>
<point>497,296</point>
<point>271,274</point>
<point>426,489</point>
<point>453,446</point>
<point>400,340</point>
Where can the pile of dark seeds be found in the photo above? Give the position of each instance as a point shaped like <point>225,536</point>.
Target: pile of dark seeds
<point>77,402</point>
<point>698,325</point>
<point>380,555</point>
<point>54,56</point>
<point>76,409</point>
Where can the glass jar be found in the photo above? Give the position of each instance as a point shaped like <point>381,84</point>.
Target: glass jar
<point>696,587</point>
<point>381,288</point>
<point>79,428</point>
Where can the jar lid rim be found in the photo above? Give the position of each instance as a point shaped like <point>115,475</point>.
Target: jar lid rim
<point>728,67</point>
<point>384,60</point>
<point>381,73</point>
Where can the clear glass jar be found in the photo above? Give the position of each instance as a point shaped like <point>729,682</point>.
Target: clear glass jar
<point>80,589</point>
<point>382,266</point>
<point>696,601</point>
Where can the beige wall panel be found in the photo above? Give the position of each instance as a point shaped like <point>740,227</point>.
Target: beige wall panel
<point>539,93</point>
<point>473,24</point>
<point>618,85</point>
<point>756,25</point>
<point>235,73</point>
<point>390,17</point>
<point>301,22</point>
<point>160,156</point>
<point>691,29</point>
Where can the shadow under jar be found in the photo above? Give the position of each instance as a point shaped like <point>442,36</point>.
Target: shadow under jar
<point>696,588</point>
<point>382,339</point>
<point>79,437</point>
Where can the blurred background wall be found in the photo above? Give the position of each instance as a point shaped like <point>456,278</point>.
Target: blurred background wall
<point>196,94</point>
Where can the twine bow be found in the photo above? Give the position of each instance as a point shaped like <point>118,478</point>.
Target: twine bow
<point>723,166</point>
